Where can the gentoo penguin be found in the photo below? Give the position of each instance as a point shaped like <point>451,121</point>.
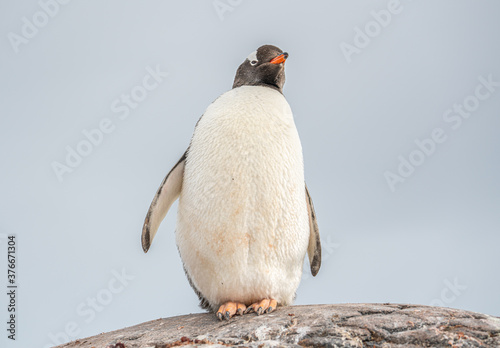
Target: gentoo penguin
<point>245,217</point>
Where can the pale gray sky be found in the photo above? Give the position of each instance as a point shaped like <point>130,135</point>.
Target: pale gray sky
<point>397,109</point>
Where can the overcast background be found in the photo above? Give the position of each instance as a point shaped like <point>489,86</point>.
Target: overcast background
<point>431,239</point>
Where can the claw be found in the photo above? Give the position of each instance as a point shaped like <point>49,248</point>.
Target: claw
<point>239,311</point>
<point>248,310</point>
<point>260,311</point>
<point>219,316</point>
<point>269,310</point>
<point>228,315</point>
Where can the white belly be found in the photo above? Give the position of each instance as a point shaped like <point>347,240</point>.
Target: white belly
<point>242,224</point>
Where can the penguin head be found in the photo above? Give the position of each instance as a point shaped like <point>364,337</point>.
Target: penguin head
<point>264,67</point>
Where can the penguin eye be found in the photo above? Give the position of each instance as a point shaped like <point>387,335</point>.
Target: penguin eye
<point>253,62</point>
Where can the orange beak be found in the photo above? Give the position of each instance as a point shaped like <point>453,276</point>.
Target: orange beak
<point>279,59</point>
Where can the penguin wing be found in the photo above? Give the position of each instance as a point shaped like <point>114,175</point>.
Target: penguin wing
<point>314,248</point>
<point>167,193</point>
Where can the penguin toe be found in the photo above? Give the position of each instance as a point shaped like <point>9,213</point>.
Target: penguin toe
<point>272,306</point>
<point>241,309</point>
<point>264,306</point>
<point>229,309</point>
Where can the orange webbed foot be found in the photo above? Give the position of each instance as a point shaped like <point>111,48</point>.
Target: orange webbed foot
<point>264,306</point>
<point>229,309</point>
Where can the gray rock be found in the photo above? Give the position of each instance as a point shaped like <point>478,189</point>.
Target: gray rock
<point>340,325</point>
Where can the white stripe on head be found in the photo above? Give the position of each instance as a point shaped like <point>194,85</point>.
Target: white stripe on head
<point>252,57</point>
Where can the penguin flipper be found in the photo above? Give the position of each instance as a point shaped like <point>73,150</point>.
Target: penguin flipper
<point>314,248</point>
<point>167,193</point>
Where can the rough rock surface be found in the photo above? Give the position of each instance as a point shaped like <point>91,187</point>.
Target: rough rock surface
<point>340,325</point>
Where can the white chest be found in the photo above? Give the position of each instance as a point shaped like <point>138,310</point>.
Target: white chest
<point>242,208</point>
